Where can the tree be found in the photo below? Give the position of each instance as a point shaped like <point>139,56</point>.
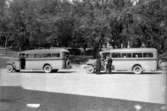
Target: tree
<point>90,23</point>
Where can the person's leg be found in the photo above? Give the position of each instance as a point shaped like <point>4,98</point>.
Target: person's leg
<point>110,70</point>
<point>106,68</point>
<point>98,66</point>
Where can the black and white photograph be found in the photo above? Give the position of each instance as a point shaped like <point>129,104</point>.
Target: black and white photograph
<point>83,55</point>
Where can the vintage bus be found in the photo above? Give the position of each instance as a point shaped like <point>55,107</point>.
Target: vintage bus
<point>135,60</point>
<point>40,59</point>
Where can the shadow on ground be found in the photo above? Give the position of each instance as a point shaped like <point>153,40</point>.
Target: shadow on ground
<point>16,98</point>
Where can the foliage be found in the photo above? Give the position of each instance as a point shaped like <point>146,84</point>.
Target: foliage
<point>90,23</point>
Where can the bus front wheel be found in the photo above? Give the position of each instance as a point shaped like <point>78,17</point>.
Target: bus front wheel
<point>10,68</point>
<point>47,68</point>
<point>90,69</point>
<point>137,69</point>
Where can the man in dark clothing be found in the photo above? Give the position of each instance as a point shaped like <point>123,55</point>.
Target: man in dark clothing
<point>98,64</point>
<point>109,65</point>
<point>22,61</point>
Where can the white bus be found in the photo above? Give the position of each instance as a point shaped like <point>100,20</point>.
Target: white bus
<point>40,59</point>
<point>135,60</point>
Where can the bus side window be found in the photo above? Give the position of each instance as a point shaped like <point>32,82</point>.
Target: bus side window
<point>21,55</point>
<point>55,55</point>
<point>37,56</point>
<point>147,54</point>
<point>116,55</point>
<point>137,55</point>
<point>124,55</point>
<point>30,55</point>
<point>129,55</point>
<point>105,55</point>
<point>26,55</point>
<point>46,55</point>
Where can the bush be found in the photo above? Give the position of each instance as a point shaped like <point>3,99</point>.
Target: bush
<point>79,59</point>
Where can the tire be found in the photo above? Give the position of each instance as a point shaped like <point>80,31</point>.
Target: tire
<point>10,68</point>
<point>47,68</point>
<point>90,69</point>
<point>55,70</point>
<point>137,69</point>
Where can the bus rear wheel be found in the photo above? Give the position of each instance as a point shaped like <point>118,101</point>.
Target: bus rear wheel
<point>137,69</point>
<point>47,68</point>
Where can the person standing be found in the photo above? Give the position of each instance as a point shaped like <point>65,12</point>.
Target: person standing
<point>109,65</point>
<point>98,64</point>
<point>105,64</point>
<point>22,61</point>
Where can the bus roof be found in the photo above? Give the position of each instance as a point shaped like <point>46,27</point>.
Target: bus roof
<point>131,50</point>
<point>42,51</point>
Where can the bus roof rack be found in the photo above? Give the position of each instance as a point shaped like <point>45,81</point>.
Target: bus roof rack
<point>54,50</point>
